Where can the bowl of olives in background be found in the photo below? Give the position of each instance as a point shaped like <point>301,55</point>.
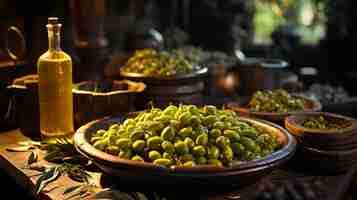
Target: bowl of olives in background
<point>186,144</point>
<point>170,78</point>
<point>326,139</point>
<point>274,105</point>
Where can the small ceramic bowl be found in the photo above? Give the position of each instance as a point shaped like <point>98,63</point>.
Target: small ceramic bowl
<point>325,150</point>
<point>344,138</point>
<point>243,109</point>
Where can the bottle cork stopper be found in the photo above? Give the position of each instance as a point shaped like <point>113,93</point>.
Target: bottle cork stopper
<point>53,20</point>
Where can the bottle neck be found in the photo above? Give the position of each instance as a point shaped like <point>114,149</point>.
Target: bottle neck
<point>54,37</point>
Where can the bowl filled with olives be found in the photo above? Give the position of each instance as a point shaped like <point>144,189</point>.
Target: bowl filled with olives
<point>327,139</point>
<point>186,143</point>
<point>274,105</point>
<point>323,130</point>
<point>170,77</point>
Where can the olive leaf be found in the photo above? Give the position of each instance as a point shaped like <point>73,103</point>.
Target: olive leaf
<point>71,189</point>
<point>30,143</point>
<point>20,148</point>
<point>32,157</point>
<point>49,175</point>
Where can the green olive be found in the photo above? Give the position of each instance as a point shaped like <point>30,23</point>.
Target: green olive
<point>128,122</point>
<point>210,109</point>
<point>181,147</point>
<point>263,138</point>
<point>100,132</point>
<point>130,128</point>
<point>113,150</point>
<point>195,121</point>
<point>209,120</point>
<point>202,139</point>
<point>123,143</point>
<point>137,134</point>
<point>227,154</point>
<point>168,133</point>
<point>167,155</point>
<point>222,141</point>
<point>219,125</point>
<point>95,138</point>
<point>137,158</point>
<point>139,145</point>
<point>199,150</point>
<point>185,118</point>
<point>194,110</point>
<point>250,133</point>
<point>153,155</point>
<point>154,126</point>
<point>163,119</point>
<point>100,144</point>
<point>125,153</point>
<point>154,143</point>
<point>237,148</point>
<point>175,124</point>
<point>215,133</point>
<point>170,110</point>
<point>201,160</point>
<point>248,143</point>
<point>232,135</point>
<point>189,164</point>
<point>213,152</point>
<point>186,157</point>
<point>190,143</point>
<point>168,147</point>
<point>185,132</point>
<point>162,162</point>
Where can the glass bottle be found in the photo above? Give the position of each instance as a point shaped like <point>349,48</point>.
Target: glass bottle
<point>55,87</point>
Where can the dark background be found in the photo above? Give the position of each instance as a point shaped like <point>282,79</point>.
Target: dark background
<point>211,24</point>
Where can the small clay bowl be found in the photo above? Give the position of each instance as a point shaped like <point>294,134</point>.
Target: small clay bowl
<point>243,109</point>
<point>93,100</point>
<point>344,138</point>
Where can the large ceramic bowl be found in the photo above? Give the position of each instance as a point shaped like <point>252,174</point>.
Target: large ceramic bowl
<point>166,90</point>
<point>237,173</point>
<point>278,117</point>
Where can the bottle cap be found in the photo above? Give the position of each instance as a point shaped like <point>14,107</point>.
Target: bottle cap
<point>53,20</point>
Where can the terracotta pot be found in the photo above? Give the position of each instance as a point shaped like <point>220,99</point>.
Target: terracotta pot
<point>93,100</point>
<point>329,151</point>
<point>238,173</point>
<point>344,138</point>
<point>162,91</point>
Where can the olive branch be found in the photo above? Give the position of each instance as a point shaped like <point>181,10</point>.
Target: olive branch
<point>67,161</point>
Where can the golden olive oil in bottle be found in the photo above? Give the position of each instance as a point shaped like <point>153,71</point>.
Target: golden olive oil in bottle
<point>55,87</point>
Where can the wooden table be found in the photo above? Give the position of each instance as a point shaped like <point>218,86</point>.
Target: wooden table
<point>13,164</point>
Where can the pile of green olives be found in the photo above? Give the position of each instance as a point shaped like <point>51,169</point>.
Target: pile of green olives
<point>278,100</point>
<point>158,63</point>
<point>186,135</point>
